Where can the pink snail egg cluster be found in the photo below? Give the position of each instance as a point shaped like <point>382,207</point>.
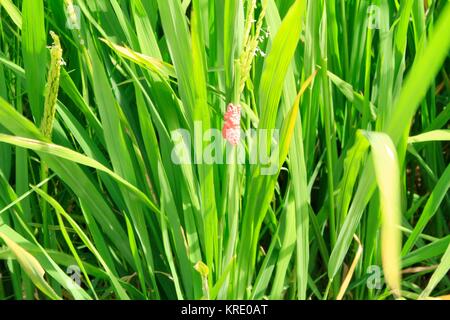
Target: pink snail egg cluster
<point>231,129</point>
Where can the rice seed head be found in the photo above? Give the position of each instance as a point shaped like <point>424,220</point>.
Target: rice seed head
<point>251,42</point>
<point>52,87</point>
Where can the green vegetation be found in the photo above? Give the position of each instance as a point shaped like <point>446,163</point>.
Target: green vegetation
<point>93,205</point>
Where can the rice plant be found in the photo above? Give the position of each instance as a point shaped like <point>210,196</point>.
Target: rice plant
<point>237,149</point>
